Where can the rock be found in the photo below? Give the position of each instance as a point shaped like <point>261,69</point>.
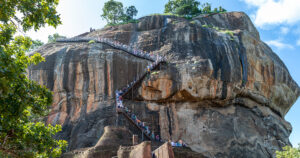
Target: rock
<point>83,78</point>
<point>142,150</point>
<point>164,151</point>
<point>186,153</point>
<point>115,136</point>
<point>107,145</point>
<point>223,91</point>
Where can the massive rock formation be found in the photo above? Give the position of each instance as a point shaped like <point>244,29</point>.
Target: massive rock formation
<point>224,92</point>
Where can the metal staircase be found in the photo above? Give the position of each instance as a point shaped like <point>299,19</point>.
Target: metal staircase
<point>157,61</point>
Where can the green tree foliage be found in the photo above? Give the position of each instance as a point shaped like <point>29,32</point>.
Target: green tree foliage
<point>131,11</point>
<point>54,37</point>
<point>222,10</point>
<point>182,7</point>
<point>288,152</point>
<point>35,44</point>
<point>22,101</point>
<point>189,8</point>
<point>113,12</point>
<point>207,8</point>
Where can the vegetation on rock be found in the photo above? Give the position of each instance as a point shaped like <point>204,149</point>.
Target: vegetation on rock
<point>115,14</point>
<point>130,13</point>
<point>182,7</point>
<point>190,8</point>
<point>35,44</point>
<point>288,152</point>
<point>54,37</point>
<point>23,102</point>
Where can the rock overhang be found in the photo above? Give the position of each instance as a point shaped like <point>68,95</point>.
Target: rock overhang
<point>208,71</point>
<point>224,66</point>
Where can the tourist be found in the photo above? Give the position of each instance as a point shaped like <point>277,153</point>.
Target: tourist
<point>173,144</point>
<point>147,130</point>
<point>129,112</point>
<point>133,117</point>
<point>138,122</point>
<point>152,136</point>
<point>157,137</point>
<point>121,104</point>
<point>178,144</point>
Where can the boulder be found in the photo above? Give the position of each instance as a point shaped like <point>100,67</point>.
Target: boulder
<point>142,150</point>
<point>107,145</point>
<point>223,91</point>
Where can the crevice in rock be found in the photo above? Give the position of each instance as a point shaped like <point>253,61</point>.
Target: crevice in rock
<point>105,77</point>
<point>243,61</point>
<point>170,122</point>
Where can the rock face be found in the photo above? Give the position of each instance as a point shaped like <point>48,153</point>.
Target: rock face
<point>224,92</point>
<point>164,151</point>
<point>142,150</point>
<point>106,147</point>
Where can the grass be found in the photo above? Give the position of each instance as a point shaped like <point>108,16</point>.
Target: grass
<point>134,21</point>
<point>155,72</point>
<point>216,28</point>
<point>188,17</point>
<point>205,26</point>
<point>193,22</point>
<point>91,41</point>
<point>228,32</point>
<point>162,14</point>
<point>174,22</point>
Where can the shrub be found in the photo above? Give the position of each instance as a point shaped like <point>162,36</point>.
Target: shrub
<point>288,152</point>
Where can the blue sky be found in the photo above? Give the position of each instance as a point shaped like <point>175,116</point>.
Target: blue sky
<point>277,21</point>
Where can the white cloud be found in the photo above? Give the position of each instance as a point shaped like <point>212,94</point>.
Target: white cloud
<point>279,44</point>
<point>275,11</point>
<point>284,30</point>
<point>298,42</point>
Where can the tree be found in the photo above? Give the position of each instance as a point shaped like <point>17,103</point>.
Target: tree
<point>54,37</point>
<point>288,152</point>
<point>131,12</point>
<point>23,100</point>
<point>182,7</point>
<point>221,9</point>
<point>35,44</point>
<point>113,12</point>
<point>206,8</point>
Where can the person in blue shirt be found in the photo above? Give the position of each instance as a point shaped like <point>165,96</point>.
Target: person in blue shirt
<point>152,136</point>
<point>133,117</point>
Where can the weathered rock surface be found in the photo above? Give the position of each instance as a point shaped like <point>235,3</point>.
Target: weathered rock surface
<point>106,147</point>
<point>83,79</point>
<point>164,151</point>
<point>224,95</point>
<point>142,150</point>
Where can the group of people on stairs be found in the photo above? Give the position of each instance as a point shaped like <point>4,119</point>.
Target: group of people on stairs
<point>131,49</point>
<point>120,93</point>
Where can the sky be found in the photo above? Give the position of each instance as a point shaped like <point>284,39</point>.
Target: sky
<point>277,21</point>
